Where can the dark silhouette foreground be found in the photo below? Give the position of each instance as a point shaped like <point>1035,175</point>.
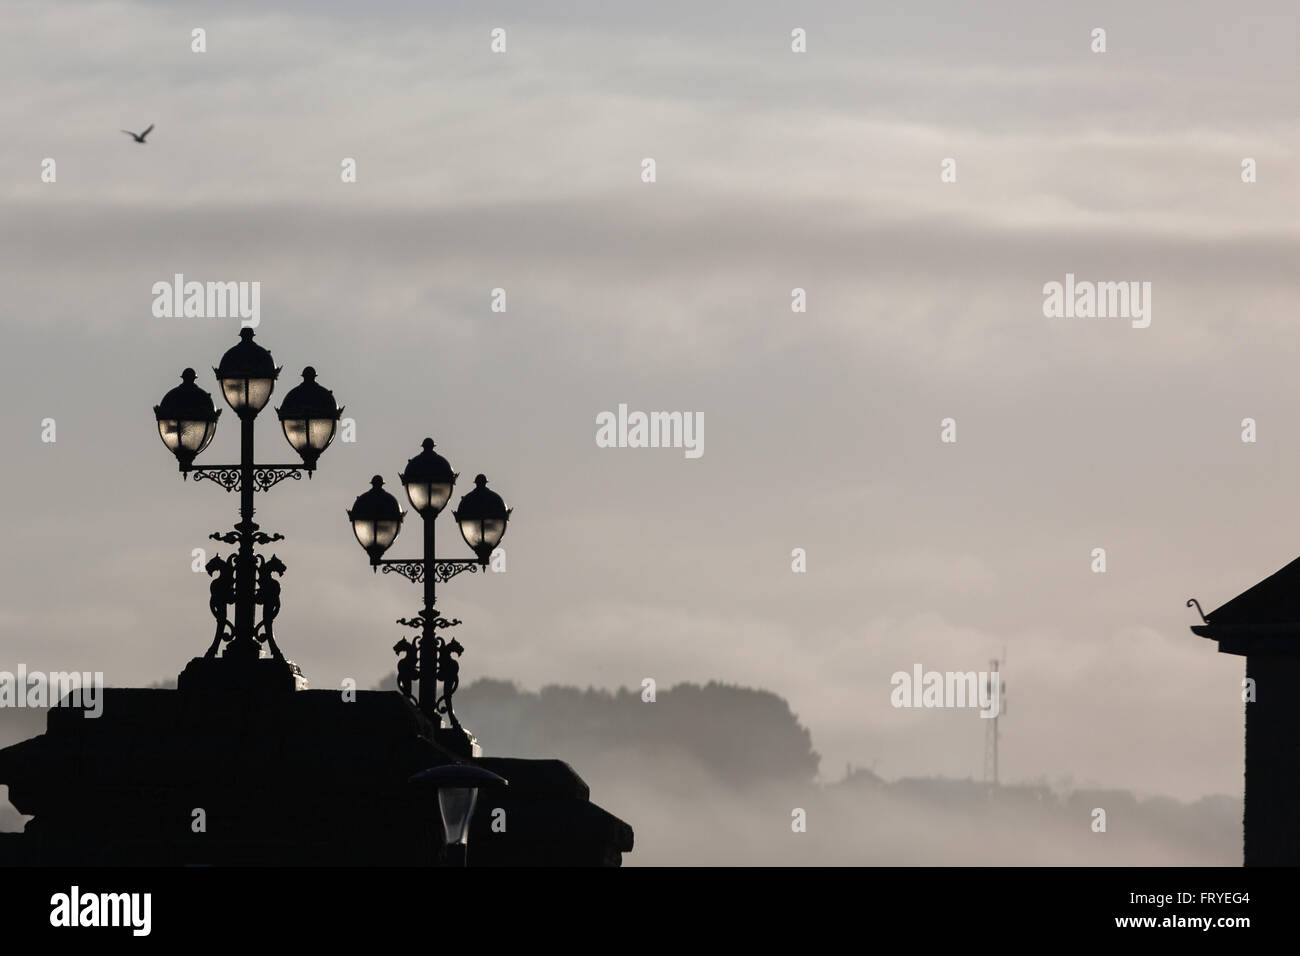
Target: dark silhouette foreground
<point>1262,624</point>
<point>298,778</point>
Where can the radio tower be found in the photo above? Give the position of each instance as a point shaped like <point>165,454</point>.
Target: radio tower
<point>991,723</point>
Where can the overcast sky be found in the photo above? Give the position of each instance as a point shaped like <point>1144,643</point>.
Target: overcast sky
<point>775,170</point>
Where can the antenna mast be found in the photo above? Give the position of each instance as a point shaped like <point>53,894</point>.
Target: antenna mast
<point>991,728</point>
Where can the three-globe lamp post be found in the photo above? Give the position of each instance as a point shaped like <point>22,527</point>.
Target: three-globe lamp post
<point>187,422</point>
<point>376,518</point>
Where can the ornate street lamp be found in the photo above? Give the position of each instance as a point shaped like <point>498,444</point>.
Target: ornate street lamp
<point>247,374</point>
<point>187,422</point>
<point>187,419</point>
<point>309,417</point>
<point>376,520</point>
<point>482,517</point>
<point>428,480</point>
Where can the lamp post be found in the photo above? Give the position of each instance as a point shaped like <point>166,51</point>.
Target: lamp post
<point>458,786</point>
<point>376,520</point>
<point>187,422</point>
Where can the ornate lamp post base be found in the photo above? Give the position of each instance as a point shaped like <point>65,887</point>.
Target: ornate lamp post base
<point>235,675</point>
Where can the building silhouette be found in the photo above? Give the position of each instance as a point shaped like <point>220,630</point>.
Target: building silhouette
<point>1262,624</point>
<point>302,777</point>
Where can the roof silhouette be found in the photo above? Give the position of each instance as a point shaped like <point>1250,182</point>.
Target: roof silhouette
<point>1276,599</point>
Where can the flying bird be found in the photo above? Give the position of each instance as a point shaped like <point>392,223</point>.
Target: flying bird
<point>139,137</point>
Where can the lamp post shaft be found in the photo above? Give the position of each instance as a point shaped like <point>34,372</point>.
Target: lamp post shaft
<point>244,644</point>
<point>428,657</point>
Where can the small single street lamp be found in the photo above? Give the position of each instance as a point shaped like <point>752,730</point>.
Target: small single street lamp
<point>376,520</point>
<point>458,786</point>
<point>187,422</point>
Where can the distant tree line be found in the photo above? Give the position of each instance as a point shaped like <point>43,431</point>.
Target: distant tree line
<point>740,735</point>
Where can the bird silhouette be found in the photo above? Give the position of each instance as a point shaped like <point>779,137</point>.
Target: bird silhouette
<point>139,137</point>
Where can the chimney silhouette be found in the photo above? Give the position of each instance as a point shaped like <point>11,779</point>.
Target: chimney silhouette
<point>1262,624</point>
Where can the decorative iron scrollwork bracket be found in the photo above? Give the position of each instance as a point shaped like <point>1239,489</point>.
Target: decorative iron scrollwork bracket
<point>265,477</point>
<point>415,570</point>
